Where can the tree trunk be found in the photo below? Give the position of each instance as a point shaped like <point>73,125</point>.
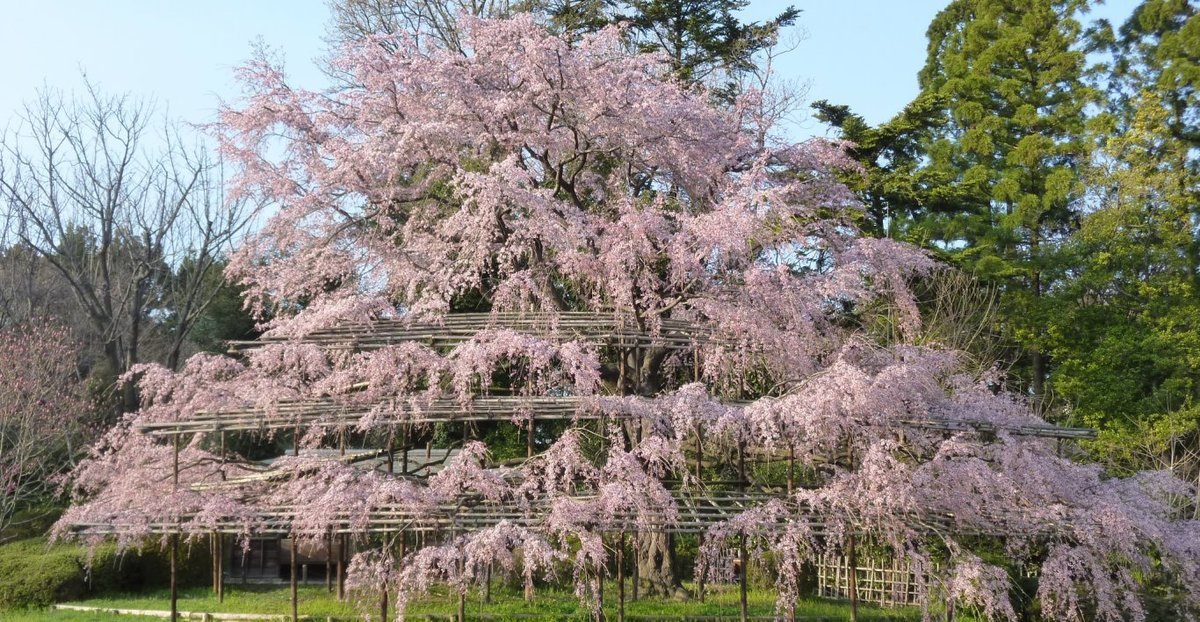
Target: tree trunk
<point>656,557</point>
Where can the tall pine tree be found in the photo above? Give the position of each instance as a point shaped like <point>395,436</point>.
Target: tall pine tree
<point>1012,76</point>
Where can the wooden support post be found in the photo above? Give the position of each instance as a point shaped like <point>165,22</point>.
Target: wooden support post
<point>741,458</point>
<point>852,578</point>
<point>699,454</point>
<point>621,355</point>
<point>621,579</point>
<point>635,578</point>
<point>744,610</point>
<point>175,537</point>
<point>602,424</point>
<point>212,561</point>
<point>341,568</point>
<point>600,590</point>
<point>791,468</point>
<point>529,439</point>
<point>487,585</point>
<point>295,613</point>
<point>462,606</point>
<point>296,441</point>
<point>383,603</point>
<point>174,572</point>
<point>329,561</point>
<point>217,551</point>
<point>220,567</point>
<point>851,557</point>
<point>391,451</point>
<point>404,451</point>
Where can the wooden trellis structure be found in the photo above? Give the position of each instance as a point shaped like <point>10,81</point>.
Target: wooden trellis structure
<point>697,509</point>
<point>887,583</point>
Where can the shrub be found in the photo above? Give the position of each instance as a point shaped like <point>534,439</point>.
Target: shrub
<point>36,574</point>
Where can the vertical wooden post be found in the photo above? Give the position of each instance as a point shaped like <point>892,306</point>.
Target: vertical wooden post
<point>741,458</point>
<point>341,568</point>
<point>383,602</point>
<point>529,591</point>
<point>404,451</point>
<point>220,567</point>
<point>487,585</point>
<point>529,439</point>
<point>636,574</point>
<point>212,560</point>
<point>852,558</point>
<point>600,590</point>
<point>744,610</point>
<point>220,536</point>
<point>391,449</point>
<point>852,576</point>
<point>621,354</point>
<point>295,614</point>
<point>296,441</point>
<point>621,579</point>
<point>175,538</point>
<point>791,467</point>
<point>329,560</point>
<point>462,606</point>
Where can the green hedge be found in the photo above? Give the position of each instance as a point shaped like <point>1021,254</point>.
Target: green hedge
<point>36,574</point>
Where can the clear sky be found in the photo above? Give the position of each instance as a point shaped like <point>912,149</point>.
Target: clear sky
<point>864,53</point>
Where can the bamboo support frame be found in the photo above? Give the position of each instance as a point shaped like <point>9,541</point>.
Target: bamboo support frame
<point>460,327</point>
<point>349,411</point>
<point>697,513</point>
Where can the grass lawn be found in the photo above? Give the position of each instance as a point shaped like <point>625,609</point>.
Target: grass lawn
<point>506,604</point>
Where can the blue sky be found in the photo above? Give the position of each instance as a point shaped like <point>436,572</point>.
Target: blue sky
<point>864,53</point>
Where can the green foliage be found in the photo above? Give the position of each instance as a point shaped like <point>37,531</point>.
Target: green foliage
<point>1012,76</point>
<point>34,573</point>
<point>983,167</point>
<point>704,40</point>
<point>31,575</point>
<point>225,318</point>
<point>701,36</point>
<point>897,192</point>
<point>1125,331</point>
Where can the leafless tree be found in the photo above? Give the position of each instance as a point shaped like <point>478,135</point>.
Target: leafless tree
<point>436,19</point>
<point>97,196</point>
